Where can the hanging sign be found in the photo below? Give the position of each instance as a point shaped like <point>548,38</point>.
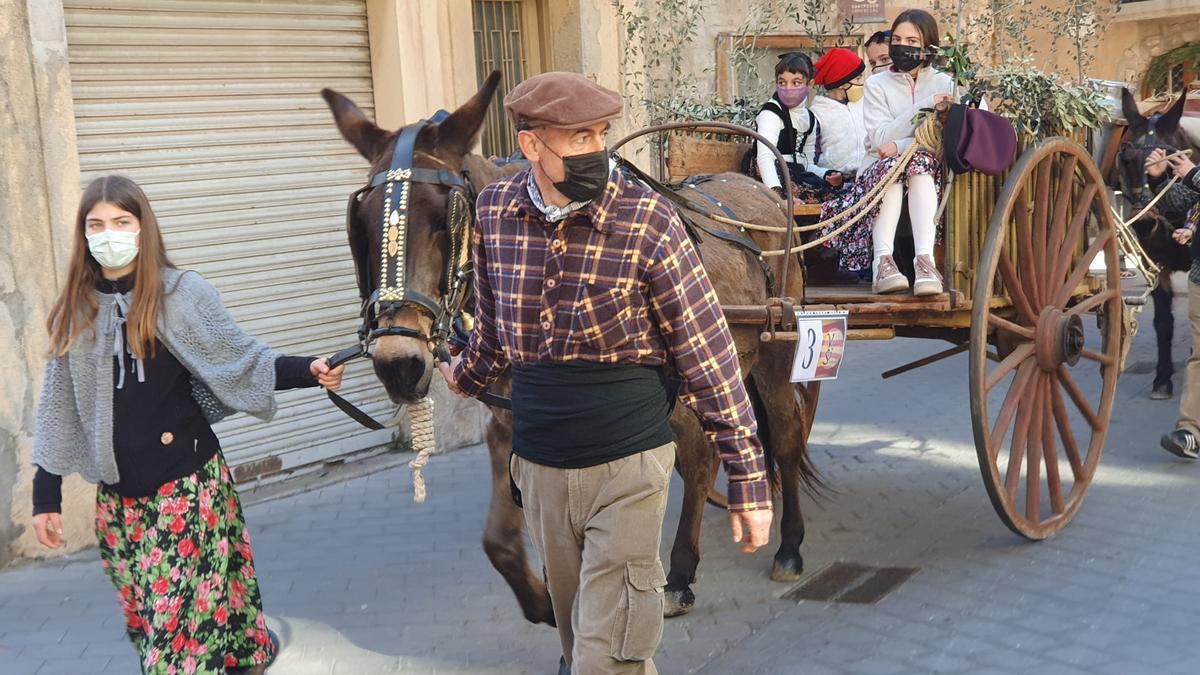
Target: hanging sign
<point>820,345</point>
<point>863,11</point>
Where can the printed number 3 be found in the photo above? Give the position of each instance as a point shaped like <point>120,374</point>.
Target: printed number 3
<point>812,352</point>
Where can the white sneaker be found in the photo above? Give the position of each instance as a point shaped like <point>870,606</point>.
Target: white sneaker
<point>928,281</point>
<point>888,278</point>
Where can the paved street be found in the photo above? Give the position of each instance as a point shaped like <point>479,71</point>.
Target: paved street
<point>360,580</point>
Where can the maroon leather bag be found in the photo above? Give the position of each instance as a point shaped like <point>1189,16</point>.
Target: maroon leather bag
<point>978,140</point>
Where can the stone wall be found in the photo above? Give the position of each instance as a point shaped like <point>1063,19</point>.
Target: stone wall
<point>38,191</point>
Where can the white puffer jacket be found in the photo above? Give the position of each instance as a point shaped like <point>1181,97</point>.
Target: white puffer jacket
<point>843,136</point>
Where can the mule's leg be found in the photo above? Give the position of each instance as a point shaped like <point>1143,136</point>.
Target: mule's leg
<point>503,533</point>
<point>788,422</point>
<point>694,462</point>
<point>1164,333</point>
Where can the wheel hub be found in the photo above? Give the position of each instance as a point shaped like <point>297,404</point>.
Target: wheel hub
<point>1059,339</point>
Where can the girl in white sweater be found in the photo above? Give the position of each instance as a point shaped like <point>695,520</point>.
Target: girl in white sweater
<point>786,120</point>
<point>892,99</point>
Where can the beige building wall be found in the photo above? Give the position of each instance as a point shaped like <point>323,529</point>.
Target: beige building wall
<point>39,187</point>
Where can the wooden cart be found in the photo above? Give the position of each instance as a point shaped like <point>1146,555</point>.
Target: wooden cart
<point>1021,258</point>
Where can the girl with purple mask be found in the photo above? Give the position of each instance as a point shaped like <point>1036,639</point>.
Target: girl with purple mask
<point>786,117</point>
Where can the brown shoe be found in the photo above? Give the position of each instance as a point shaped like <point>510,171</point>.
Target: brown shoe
<point>928,281</point>
<point>888,279</point>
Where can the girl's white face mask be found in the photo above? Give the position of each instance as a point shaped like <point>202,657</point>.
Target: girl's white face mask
<point>113,249</point>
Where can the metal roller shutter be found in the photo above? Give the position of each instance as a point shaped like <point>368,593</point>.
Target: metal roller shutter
<point>213,107</point>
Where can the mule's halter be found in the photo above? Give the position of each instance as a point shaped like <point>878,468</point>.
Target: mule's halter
<point>392,293</point>
<point>1147,147</point>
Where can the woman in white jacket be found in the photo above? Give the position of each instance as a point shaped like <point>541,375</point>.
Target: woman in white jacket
<point>892,100</point>
<point>786,120</point>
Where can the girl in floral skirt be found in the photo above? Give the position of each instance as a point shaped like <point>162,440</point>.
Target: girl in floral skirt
<point>144,358</point>
<point>891,101</point>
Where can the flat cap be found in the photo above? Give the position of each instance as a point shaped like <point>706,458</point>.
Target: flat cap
<point>563,100</point>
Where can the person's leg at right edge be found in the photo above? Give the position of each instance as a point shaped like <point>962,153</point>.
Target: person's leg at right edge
<point>1183,441</point>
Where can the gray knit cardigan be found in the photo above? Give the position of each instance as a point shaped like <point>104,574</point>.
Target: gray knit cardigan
<point>231,372</point>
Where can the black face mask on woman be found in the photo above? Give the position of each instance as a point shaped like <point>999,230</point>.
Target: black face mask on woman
<point>906,58</point>
<point>584,176</point>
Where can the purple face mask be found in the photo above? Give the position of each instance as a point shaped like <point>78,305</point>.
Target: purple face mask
<point>792,96</point>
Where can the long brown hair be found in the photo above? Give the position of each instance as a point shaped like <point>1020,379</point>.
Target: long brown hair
<point>75,310</point>
<point>925,24</point>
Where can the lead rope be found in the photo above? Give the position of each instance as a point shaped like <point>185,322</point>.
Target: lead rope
<point>424,444</point>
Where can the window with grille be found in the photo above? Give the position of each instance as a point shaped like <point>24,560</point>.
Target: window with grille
<point>500,43</point>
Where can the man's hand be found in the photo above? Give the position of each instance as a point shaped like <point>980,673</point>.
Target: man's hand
<point>48,527</point>
<point>1182,235</point>
<point>447,371</point>
<point>330,378</point>
<point>888,150</point>
<point>1155,166</point>
<point>751,529</point>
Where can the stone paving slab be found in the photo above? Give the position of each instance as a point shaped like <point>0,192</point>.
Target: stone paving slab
<point>359,580</point>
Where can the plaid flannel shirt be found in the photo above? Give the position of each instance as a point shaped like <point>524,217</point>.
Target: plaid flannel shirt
<point>616,282</point>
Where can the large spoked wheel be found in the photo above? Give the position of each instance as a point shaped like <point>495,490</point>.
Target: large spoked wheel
<point>1049,395</point>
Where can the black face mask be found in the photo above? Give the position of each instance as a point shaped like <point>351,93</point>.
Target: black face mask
<point>584,176</point>
<point>906,58</point>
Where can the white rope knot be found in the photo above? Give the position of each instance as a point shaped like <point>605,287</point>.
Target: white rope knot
<point>424,444</point>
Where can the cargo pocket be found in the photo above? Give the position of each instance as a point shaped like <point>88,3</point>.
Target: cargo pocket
<point>638,626</point>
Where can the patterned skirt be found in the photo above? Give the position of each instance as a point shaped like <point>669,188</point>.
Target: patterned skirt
<point>181,563</point>
<point>855,244</point>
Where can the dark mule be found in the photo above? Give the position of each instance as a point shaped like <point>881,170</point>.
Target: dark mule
<point>405,364</point>
<point>1142,136</point>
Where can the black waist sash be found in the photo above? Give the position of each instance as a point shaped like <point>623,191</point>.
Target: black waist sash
<point>577,414</point>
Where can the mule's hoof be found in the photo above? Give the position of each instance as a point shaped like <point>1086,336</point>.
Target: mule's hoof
<point>677,603</point>
<point>787,569</point>
<point>1162,391</point>
<point>541,612</point>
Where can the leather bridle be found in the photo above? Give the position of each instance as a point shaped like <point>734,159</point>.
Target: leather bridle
<point>392,293</point>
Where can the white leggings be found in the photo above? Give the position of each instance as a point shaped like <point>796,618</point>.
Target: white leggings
<point>922,205</point>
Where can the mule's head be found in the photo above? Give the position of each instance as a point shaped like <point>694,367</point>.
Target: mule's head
<point>1143,135</point>
<point>405,365</point>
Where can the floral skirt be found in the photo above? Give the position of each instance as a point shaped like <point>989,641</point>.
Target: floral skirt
<point>855,244</point>
<point>181,563</point>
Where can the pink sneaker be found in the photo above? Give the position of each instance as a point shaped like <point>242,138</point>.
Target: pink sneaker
<point>888,279</point>
<point>928,280</point>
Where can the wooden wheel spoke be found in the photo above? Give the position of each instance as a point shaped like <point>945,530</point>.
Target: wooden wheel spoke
<point>1062,261</point>
<point>1053,483</point>
<point>1098,357</point>
<point>1081,268</point>
<point>1020,438</point>
<point>1033,467</point>
<point>1061,207</point>
<point>1013,286</point>
<point>1093,302</point>
<point>1025,252</point>
<point>1006,366</point>
<point>1009,408</point>
<point>1006,325</point>
<point>1065,432</point>
<point>1040,216</point>
<point>1077,397</point>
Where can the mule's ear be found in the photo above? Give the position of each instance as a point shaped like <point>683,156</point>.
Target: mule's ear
<point>361,132</point>
<point>1170,119</point>
<point>1129,108</point>
<point>458,132</point>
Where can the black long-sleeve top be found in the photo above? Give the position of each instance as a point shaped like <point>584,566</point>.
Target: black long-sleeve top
<point>159,432</point>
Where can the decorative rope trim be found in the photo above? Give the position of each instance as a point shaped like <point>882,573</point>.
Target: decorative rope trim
<point>424,443</point>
